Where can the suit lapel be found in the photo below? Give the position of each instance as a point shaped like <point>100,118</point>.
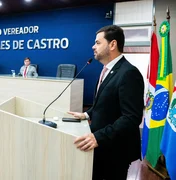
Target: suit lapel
<point>28,70</point>
<point>113,71</point>
<point>27,73</point>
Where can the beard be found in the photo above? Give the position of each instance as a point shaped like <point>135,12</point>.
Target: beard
<point>102,55</point>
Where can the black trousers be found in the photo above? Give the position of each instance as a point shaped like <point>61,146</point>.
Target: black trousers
<point>109,168</point>
<point>119,174</point>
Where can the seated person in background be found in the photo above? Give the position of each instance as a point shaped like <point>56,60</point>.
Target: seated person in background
<point>27,70</point>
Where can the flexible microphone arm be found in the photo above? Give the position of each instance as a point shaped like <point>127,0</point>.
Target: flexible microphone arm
<point>87,63</point>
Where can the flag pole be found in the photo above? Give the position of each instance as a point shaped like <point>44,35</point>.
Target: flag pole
<point>168,14</point>
<point>160,168</point>
<point>161,160</point>
<point>154,20</point>
<point>154,24</point>
<point>154,30</point>
<point>169,134</point>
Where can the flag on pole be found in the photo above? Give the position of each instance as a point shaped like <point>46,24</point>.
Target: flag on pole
<point>152,77</point>
<point>169,138</point>
<point>163,93</point>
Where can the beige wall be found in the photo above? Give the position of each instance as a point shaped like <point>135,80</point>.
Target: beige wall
<point>161,6</point>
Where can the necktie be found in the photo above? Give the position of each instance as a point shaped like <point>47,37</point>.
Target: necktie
<point>25,71</point>
<point>101,76</point>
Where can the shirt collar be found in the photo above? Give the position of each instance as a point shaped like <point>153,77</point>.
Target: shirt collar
<point>111,64</point>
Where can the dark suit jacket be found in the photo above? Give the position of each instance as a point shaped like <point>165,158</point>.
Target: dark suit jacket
<point>117,113</point>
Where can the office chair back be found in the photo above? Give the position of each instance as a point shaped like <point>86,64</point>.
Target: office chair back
<point>36,66</point>
<point>66,70</point>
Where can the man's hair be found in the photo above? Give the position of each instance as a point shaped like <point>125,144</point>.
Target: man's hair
<point>27,58</point>
<point>114,32</point>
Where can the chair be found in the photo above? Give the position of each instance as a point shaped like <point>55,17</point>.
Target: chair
<point>66,70</point>
<point>36,66</point>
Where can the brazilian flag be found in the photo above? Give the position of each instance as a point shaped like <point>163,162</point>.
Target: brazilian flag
<point>162,96</point>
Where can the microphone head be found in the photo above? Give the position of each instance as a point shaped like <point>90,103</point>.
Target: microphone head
<point>89,61</point>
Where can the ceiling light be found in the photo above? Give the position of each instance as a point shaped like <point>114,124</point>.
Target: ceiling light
<point>28,0</point>
<point>0,3</point>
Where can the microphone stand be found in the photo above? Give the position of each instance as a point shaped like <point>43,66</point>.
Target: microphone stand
<point>52,124</point>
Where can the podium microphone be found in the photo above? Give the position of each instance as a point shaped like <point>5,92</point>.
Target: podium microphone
<point>52,124</point>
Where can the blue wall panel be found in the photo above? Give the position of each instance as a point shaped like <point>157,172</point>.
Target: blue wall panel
<point>78,25</point>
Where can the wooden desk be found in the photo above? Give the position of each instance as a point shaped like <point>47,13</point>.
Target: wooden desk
<point>32,151</point>
<point>44,90</point>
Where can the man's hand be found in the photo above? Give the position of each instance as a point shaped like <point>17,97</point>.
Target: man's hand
<point>77,115</point>
<point>86,143</point>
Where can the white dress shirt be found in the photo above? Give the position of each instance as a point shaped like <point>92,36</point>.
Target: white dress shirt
<point>109,66</point>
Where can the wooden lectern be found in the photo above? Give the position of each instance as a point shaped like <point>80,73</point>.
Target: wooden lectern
<point>32,151</point>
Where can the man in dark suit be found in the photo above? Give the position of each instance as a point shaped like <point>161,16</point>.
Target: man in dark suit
<point>28,70</point>
<point>117,109</point>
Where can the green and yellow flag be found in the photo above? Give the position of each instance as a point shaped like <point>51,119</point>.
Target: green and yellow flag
<point>162,96</point>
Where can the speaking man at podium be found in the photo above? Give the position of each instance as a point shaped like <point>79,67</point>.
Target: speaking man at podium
<point>117,109</point>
